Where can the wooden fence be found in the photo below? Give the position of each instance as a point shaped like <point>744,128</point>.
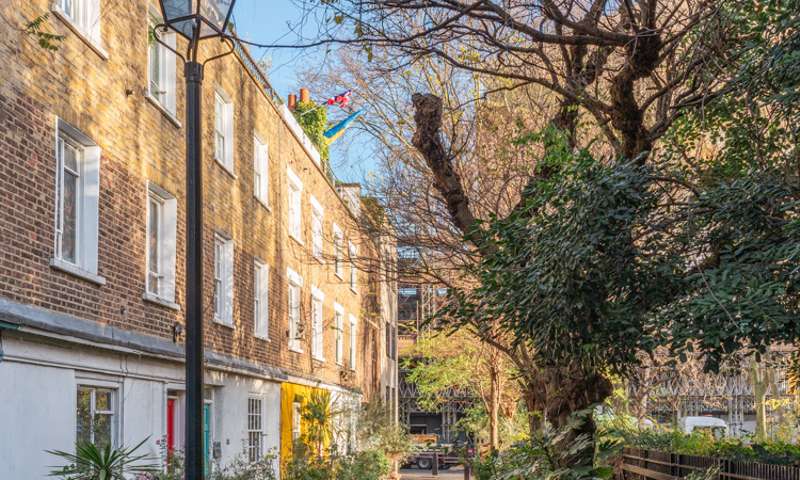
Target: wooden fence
<point>639,464</point>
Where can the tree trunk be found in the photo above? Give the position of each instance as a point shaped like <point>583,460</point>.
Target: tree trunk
<point>570,393</point>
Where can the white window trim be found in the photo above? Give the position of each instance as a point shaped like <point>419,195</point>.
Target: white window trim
<point>87,242</point>
<point>115,403</point>
<point>226,280</point>
<point>338,252</point>
<point>295,280</point>
<point>294,186</point>
<point>352,253</point>
<point>262,303</point>
<point>318,325</point>
<point>317,232</point>
<point>169,107</point>
<point>95,44</point>
<point>353,341</point>
<point>168,247</point>
<point>258,145</point>
<point>339,328</point>
<point>297,414</point>
<point>227,163</point>
<point>261,414</point>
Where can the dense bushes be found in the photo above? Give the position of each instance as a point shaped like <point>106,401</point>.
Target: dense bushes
<point>703,444</point>
<point>365,465</point>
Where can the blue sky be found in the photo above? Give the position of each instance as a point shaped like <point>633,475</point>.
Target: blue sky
<point>280,21</point>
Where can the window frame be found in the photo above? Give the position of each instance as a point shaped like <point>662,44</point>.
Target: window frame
<point>297,420</point>
<point>224,262</point>
<point>166,60</point>
<point>294,313</point>
<point>260,300</point>
<point>317,229</point>
<point>317,324</point>
<point>338,318</point>
<point>255,452</point>
<point>352,252</point>
<point>338,251</point>
<point>223,120</point>
<point>79,16</point>
<point>353,341</point>
<point>167,245</point>
<point>261,171</point>
<point>294,211</point>
<point>87,203</point>
<point>113,412</point>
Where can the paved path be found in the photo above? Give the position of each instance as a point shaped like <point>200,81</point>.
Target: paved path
<point>455,473</point>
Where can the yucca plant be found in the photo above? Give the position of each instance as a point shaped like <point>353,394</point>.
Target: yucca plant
<point>92,462</point>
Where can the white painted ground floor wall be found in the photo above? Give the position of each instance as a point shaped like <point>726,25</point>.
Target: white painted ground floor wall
<point>39,381</point>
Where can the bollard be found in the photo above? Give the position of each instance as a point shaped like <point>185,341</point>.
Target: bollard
<point>467,470</point>
<point>435,465</point>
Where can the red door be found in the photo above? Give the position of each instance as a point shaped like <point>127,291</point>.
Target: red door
<point>170,426</point>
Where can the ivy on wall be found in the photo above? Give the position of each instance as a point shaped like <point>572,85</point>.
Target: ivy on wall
<point>313,118</point>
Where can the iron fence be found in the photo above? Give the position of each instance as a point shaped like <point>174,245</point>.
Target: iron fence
<point>640,464</point>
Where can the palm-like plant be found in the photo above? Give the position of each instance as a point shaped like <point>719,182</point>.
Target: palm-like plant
<point>91,462</point>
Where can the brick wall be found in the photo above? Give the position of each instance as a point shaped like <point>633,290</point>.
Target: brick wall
<point>106,99</point>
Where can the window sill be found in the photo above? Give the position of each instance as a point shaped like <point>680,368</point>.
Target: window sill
<point>170,116</point>
<point>354,290</point>
<point>149,297</point>
<point>319,359</point>
<point>224,324</point>
<point>295,349</point>
<point>339,275</point>
<point>296,239</point>
<point>264,338</point>
<point>62,15</point>
<point>263,203</point>
<point>225,168</point>
<point>67,267</point>
<point>318,258</point>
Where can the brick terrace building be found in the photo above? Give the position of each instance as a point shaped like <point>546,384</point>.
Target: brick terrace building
<point>92,249</point>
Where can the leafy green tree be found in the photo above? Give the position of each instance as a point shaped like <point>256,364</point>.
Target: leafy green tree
<point>460,361</point>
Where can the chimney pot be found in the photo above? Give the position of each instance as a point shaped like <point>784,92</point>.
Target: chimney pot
<point>292,101</point>
<point>305,95</point>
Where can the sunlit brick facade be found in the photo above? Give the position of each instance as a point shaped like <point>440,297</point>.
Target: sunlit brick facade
<point>92,281</point>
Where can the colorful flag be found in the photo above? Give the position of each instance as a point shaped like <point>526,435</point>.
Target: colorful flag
<point>337,130</point>
<point>343,99</point>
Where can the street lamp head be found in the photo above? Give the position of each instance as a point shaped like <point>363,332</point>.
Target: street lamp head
<point>197,19</point>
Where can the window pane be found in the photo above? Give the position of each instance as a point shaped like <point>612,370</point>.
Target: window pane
<point>69,216</point>
<point>102,429</point>
<point>102,400</point>
<point>70,157</point>
<point>153,247</point>
<point>155,69</point>
<point>84,415</point>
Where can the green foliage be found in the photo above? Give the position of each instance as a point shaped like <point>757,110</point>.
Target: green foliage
<point>365,465</point>
<point>242,469</point>
<point>542,457</point>
<point>378,431</point>
<point>313,118</point>
<point>46,40</point>
<point>704,444</point>
<point>318,420</point>
<point>91,462</point>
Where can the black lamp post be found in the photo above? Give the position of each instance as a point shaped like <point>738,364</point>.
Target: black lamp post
<point>195,20</point>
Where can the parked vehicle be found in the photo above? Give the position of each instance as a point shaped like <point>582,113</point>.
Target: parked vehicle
<point>716,426</point>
